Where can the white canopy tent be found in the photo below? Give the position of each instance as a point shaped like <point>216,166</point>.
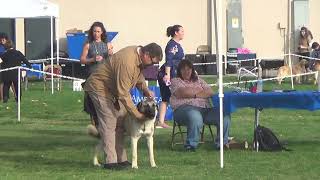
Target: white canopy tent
<point>33,9</point>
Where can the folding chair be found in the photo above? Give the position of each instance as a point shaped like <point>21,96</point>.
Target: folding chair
<point>181,133</point>
<point>248,70</point>
<point>47,77</point>
<point>24,78</point>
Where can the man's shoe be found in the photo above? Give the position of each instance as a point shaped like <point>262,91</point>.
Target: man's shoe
<point>125,164</point>
<point>112,166</point>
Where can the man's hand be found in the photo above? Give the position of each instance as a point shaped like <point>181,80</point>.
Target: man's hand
<point>140,117</point>
<point>166,78</point>
<point>149,94</point>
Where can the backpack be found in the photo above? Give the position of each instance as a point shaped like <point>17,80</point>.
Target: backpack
<point>268,141</point>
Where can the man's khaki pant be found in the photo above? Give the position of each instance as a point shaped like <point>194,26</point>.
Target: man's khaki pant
<point>110,127</point>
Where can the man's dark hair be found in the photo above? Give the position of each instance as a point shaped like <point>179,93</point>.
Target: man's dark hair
<point>315,45</point>
<point>153,49</point>
<point>8,45</point>
<point>3,36</point>
<point>186,63</point>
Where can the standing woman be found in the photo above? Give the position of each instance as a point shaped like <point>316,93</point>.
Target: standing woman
<point>95,51</point>
<point>174,54</point>
<point>305,39</point>
<point>11,58</point>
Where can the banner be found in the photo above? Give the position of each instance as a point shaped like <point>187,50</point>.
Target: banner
<point>137,96</point>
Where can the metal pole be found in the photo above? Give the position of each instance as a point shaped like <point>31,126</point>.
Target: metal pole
<point>51,38</point>
<point>218,33</point>
<point>58,46</point>
<point>289,40</point>
<point>19,92</point>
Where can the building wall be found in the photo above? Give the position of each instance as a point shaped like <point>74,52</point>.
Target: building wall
<point>144,21</point>
<point>260,26</point>
<point>315,19</point>
<point>139,21</point>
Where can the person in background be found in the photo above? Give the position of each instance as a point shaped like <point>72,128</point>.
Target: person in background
<point>314,54</point>
<point>109,89</point>
<point>3,40</point>
<point>304,43</point>
<point>11,58</point>
<point>190,102</point>
<point>95,51</point>
<point>174,54</point>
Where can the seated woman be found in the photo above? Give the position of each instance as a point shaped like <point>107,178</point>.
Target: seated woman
<point>190,102</point>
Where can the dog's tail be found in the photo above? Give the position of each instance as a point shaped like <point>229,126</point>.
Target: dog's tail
<point>92,131</point>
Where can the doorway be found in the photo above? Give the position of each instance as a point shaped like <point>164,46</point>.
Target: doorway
<point>37,37</point>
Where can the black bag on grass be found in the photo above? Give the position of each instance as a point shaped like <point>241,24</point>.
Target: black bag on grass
<point>267,140</point>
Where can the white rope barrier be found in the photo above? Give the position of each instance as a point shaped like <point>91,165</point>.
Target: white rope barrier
<point>8,69</point>
<point>266,79</point>
<point>43,72</point>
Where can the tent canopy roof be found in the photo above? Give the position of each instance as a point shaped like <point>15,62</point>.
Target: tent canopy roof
<point>28,9</point>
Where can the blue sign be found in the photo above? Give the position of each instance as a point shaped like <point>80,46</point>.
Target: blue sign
<point>137,96</point>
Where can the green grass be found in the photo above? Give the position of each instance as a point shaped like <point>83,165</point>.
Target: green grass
<point>51,143</point>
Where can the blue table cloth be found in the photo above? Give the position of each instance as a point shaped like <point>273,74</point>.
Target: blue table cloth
<point>308,100</point>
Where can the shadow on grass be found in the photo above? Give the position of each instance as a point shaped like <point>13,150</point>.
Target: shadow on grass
<point>23,162</point>
<point>43,142</point>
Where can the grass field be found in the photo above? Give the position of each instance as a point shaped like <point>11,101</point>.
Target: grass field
<point>51,143</point>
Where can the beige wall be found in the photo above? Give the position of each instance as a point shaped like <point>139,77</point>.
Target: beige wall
<point>315,19</point>
<point>145,21</point>
<point>139,21</point>
<point>260,26</point>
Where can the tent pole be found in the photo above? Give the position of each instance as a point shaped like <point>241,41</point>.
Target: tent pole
<point>19,93</point>
<point>51,38</point>
<point>58,46</point>
<point>218,35</point>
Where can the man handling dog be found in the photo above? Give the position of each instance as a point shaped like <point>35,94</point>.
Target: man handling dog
<point>109,88</point>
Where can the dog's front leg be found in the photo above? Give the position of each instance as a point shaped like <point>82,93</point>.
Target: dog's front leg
<point>150,148</point>
<point>134,144</point>
<point>97,151</point>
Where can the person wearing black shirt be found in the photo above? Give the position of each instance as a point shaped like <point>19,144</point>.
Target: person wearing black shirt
<point>11,58</point>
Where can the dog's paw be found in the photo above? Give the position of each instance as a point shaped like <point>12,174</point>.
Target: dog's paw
<point>154,166</point>
<point>96,163</point>
<point>134,167</point>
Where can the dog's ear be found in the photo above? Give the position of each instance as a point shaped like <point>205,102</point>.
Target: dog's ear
<point>156,106</point>
<point>139,105</point>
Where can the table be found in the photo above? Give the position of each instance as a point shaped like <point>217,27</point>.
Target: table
<point>307,100</point>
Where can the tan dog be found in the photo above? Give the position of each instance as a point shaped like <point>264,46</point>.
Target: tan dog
<point>298,68</point>
<point>316,67</point>
<point>135,129</point>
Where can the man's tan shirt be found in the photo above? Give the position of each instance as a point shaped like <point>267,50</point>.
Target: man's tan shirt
<point>116,77</point>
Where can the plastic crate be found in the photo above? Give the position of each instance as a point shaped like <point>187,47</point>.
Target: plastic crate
<point>75,42</point>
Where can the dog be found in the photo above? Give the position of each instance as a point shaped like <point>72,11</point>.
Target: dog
<point>298,68</point>
<point>135,129</point>
<point>316,68</point>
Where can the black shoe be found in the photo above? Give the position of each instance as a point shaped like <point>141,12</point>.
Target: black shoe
<point>112,166</point>
<point>190,148</point>
<point>125,164</point>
